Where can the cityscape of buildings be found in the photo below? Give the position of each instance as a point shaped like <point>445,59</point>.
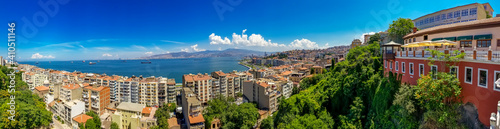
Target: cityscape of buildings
<point>132,102</point>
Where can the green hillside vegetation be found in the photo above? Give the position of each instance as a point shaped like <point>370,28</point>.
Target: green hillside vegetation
<point>30,109</point>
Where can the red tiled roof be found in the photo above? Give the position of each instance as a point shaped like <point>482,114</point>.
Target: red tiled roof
<point>41,88</point>
<point>147,110</point>
<point>82,118</point>
<point>196,119</point>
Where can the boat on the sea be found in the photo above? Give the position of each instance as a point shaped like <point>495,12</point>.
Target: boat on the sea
<point>36,62</point>
<point>146,62</point>
<point>83,61</point>
<point>92,63</point>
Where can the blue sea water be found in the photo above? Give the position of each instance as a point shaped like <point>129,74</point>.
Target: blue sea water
<point>170,68</point>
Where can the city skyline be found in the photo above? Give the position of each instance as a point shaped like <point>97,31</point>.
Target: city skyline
<point>75,30</point>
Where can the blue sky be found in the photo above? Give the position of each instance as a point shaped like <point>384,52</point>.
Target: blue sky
<point>111,29</point>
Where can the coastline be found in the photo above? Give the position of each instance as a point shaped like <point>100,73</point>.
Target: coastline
<point>249,68</point>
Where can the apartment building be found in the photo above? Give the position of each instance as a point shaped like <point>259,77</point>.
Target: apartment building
<point>128,90</point>
<point>192,109</point>
<point>219,84</point>
<point>478,71</point>
<point>148,90</point>
<point>264,92</point>
<point>171,91</point>
<point>67,110</point>
<point>96,98</point>
<point>41,91</point>
<point>70,92</point>
<point>200,84</point>
<point>464,13</point>
<point>128,115</point>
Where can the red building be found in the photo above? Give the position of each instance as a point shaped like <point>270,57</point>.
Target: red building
<point>477,72</point>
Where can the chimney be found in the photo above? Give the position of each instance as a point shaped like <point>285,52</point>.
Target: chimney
<point>414,29</point>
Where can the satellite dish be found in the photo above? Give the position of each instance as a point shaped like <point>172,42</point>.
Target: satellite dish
<point>497,83</point>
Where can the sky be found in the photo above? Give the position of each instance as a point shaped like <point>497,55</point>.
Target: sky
<point>112,29</point>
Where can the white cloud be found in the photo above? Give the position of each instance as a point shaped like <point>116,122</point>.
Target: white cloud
<point>103,48</point>
<point>167,52</point>
<point>149,53</point>
<point>169,41</point>
<point>107,55</point>
<point>39,56</point>
<point>185,50</point>
<point>139,47</point>
<point>304,44</point>
<point>220,49</point>
<point>243,39</point>
<point>215,39</point>
<point>195,48</point>
<point>158,48</point>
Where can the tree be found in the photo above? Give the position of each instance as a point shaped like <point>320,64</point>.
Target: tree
<point>400,28</point>
<point>114,126</point>
<point>267,123</point>
<point>96,121</point>
<point>374,38</point>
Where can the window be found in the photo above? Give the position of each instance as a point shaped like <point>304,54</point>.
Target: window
<point>468,75</point>
<point>426,21</point>
<point>397,66</point>
<point>498,42</point>
<point>454,70</point>
<point>421,22</point>
<point>385,64</point>
<point>411,68</point>
<point>443,16</point>
<point>431,20</point>
<point>457,14</point>
<point>438,17</point>
<point>450,15</point>
<point>390,65</point>
<point>403,67</point>
<point>482,78</point>
<point>421,70</point>
<point>434,70</point>
<point>472,19</point>
<point>483,43</point>
<point>414,39</point>
<point>466,43</point>
<point>426,37</point>
<point>473,11</point>
<point>465,12</point>
<point>496,81</point>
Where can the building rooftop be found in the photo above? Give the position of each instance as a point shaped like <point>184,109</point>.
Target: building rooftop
<point>82,118</point>
<point>449,9</point>
<point>98,88</point>
<point>196,119</point>
<point>131,106</point>
<point>147,110</point>
<point>71,86</point>
<point>42,88</point>
<point>172,123</point>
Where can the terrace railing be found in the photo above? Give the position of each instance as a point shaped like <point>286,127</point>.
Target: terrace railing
<point>487,55</point>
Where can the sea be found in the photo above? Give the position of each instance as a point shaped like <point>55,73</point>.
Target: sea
<point>170,68</point>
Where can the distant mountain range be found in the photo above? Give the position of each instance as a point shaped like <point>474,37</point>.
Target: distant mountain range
<point>208,53</point>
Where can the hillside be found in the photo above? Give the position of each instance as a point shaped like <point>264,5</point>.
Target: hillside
<point>208,53</point>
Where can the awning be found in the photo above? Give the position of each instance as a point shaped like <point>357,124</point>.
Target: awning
<point>450,38</point>
<point>479,37</point>
<point>436,39</point>
<point>464,37</point>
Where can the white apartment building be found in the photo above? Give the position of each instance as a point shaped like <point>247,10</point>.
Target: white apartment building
<point>465,13</point>
<point>66,110</point>
<point>200,84</point>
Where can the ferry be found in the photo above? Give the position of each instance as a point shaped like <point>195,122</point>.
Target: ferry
<point>92,63</point>
<point>146,62</point>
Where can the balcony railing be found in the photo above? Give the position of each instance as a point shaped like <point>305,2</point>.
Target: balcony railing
<point>485,55</point>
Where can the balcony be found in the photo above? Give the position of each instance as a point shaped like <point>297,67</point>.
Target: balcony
<point>483,55</point>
